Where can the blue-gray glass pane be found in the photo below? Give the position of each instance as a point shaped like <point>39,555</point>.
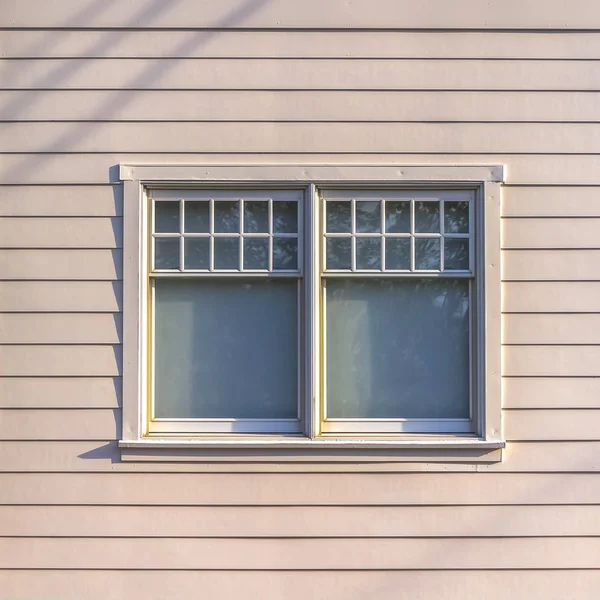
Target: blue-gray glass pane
<point>456,254</point>
<point>166,253</point>
<point>456,217</point>
<point>256,216</point>
<point>196,253</point>
<point>397,216</point>
<point>427,217</point>
<point>338,253</point>
<point>368,253</point>
<point>397,253</point>
<point>397,349</point>
<point>196,216</point>
<point>427,254</point>
<point>256,253</point>
<point>227,216</point>
<point>226,349</point>
<point>227,253</point>
<point>285,217</point>
<point>337,216</point>
<point>285,254</point>
<point>166,217</point>
<point>368,217</point>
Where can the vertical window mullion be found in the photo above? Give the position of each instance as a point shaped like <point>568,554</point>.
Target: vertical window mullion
<point>412,234</point>
<point>181,238</point>
<point>211,231</point>
<point>241,247</point>
<point>382,249</point>
<point>353,232</point>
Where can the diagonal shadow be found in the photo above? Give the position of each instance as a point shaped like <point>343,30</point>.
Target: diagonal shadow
<point>125,97</point>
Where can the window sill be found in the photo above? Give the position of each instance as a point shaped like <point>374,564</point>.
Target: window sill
<point>467,450</point>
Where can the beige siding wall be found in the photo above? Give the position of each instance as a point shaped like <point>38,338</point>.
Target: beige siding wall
<point>226,82</point>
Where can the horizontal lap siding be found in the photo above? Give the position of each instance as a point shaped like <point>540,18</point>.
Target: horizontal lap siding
<point>81,523</point>
<point>335,585</point>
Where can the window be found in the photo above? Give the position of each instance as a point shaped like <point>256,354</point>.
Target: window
<point>311,307</point>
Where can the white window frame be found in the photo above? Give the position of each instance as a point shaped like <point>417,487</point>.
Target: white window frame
<point>484,444</point>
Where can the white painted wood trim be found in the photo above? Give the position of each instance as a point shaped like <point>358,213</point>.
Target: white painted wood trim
<point>323,174</point>
<point>486,179</point>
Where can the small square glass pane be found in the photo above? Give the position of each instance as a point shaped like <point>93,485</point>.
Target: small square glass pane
<point>166,217</point>
<point>227,253</point>
<point>256,253</point>
<point>256,216</point>
<point>368,253</point>
<point>368,217</point>
<point>427,254</point>
<point>196,216</point>
<point>397,216</point>
<point>227,217</point>
<point>427,217</point>
<point>338,219</point>
<point>285,217</point>
<point>397,348</point>
<point>456,217</point>
<point>397,254</point>
<point>196,253</point>
<point>456,254</point>
<point>338,253</point>
<point>285,254</point>
<point>166,253</point>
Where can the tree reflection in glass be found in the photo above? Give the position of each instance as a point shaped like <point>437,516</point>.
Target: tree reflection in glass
<point>368,253</point>
<point>397,348</point>
<point>427,254</point>
<point>285,254</point>
<point>285,217</point>
<point>456,217</point>
<point>227,216</point>
<point>338,216</point>
<point>427,216</point>
<point>368,217</point>
<point>256,253</point>
<point>338,253</point>
<point>397,216</point>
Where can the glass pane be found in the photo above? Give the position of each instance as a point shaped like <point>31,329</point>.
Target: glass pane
<point>338,218</point>
<point>256,217</point>
<point>226,349</point>
<point>285,254</point>
<point>227,253</point>
<point>196,253</point>
<point>368,253</point>
<point>339,253</point>
<point>456,254</point>
<point>166,217</point>
<point>427,217</point>
<point>427,253</point>
<point>166,253</point>
<point>256,253</point>
<point>397,217</point>
<point>368,217</point>
<point>397,253</point>
<point>196,216</point>
<point>456,217</point>
<point>227,217</point>
<point>285,217</point>
<point>397,348</point>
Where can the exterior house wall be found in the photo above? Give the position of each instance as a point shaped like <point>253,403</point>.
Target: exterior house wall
<point>87,85</point>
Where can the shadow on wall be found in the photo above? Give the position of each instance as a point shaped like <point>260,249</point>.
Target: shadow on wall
<point>56,79</point>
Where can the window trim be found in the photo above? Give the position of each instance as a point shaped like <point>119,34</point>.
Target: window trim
<point>485,179</point>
